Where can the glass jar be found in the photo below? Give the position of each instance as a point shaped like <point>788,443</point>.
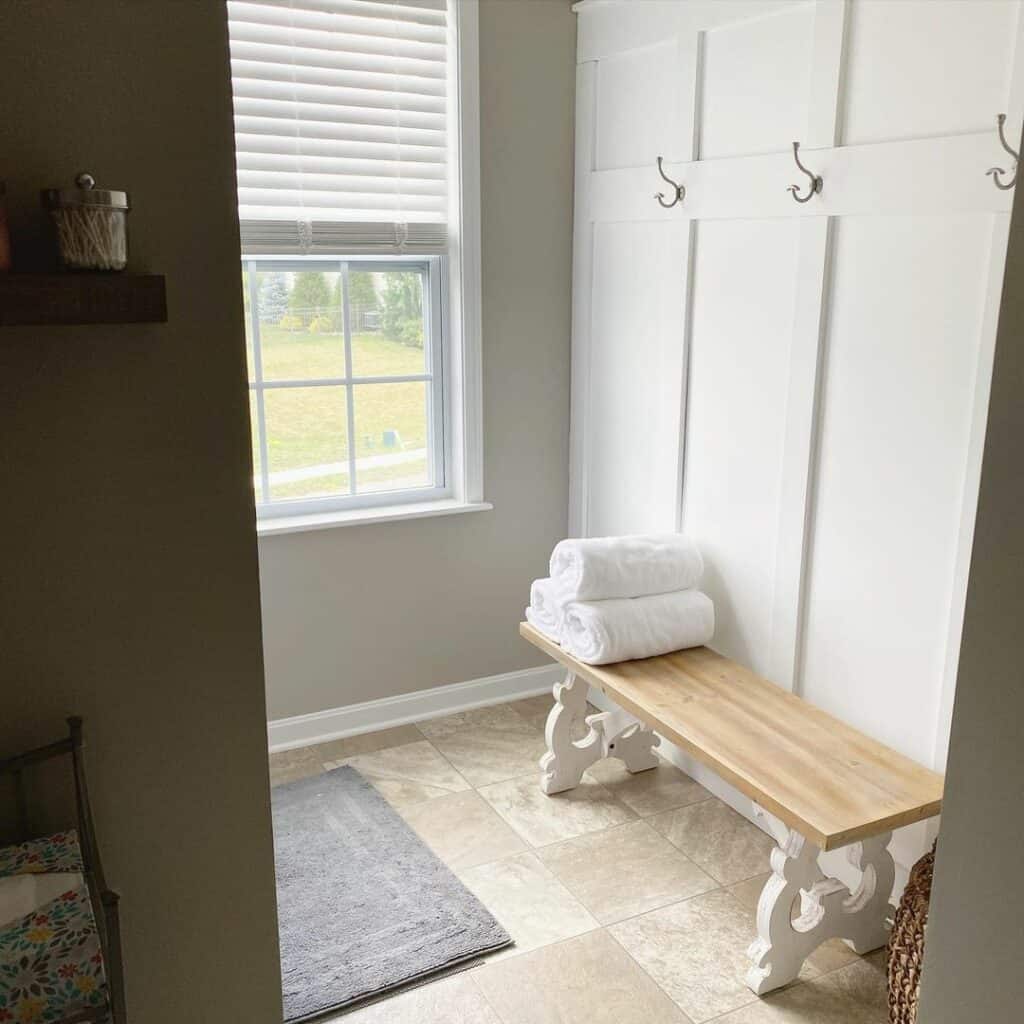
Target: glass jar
<point>91,225</point>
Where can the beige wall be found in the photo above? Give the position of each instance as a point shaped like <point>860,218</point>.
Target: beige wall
<point>129,590</point>
<point>358,613</point>
<point>976,924</point>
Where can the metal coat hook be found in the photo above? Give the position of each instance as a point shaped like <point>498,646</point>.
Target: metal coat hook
<point>817,184</point>
<point>680,190</point>
<point>996,172</point>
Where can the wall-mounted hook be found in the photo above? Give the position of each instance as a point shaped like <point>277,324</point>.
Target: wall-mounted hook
<point>997,172</point>
<point>679,190</point>
<point>816,181</point>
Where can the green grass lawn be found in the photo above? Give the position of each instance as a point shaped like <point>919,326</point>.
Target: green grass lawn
<point>309,426</point>
<point>299,355</point>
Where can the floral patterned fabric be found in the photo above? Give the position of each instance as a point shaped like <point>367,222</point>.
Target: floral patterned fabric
<point>51,965</point>
<point>56,853</point>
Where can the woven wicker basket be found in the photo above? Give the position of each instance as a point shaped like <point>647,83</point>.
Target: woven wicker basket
<point>906,943</point>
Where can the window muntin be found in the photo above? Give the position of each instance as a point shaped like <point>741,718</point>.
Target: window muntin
<point>346,376</point>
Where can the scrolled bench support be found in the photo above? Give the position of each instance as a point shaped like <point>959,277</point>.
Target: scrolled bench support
<point>828,909</point>
<point>609,734</point>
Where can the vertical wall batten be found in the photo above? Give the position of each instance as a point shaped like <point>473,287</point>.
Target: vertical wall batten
<point>802,415</point>
<point>582,285</point>
<point>684,412</point>
<point>809,339</point>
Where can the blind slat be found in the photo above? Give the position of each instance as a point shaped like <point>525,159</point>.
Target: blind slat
<point>337,130</point>
<point>341,124</point>
<point>342,201</point>
<point>299,26</point>
<point>344,185</point>
<point>395,101</point>
<point>288,113</point>
<point>347,60</point>
<point>371,46</point>
<point>337,149</point>
<point>307,168</point>
<point>430,12</point>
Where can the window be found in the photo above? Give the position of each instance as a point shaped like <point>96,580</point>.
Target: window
<point>358,196</point>
<point>347,378</point>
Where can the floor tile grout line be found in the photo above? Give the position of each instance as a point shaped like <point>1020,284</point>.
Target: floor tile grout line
<point>530,848</point>
<point>448,762</point>
<point>797,983</point>
<point>654,980</point>
<point>483,995</point>
<point>558,881</point>
<point>665,906</point>
<point>458,872</point>
<point>485,965</point>
<point>626,824</point>
<point>754,998</point>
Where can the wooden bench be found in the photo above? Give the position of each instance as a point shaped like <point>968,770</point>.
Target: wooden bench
<point>817,783</point>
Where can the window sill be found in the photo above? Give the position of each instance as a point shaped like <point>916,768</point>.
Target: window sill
<point>365,516</point>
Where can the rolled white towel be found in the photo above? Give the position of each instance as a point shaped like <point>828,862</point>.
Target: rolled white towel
<point>598,568</point>
<point>546,610</point>
<point>620,629</point>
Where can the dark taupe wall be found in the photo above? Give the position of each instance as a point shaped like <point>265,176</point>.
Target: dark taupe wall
<point>976,924</point>
<point>129,575</point>
<point>363,612</point>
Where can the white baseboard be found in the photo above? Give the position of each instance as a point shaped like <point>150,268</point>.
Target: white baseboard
<point>335,723</point>
<point>907,844</point>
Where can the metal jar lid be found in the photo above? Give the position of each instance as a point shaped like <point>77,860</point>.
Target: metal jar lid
<point>87,194</point>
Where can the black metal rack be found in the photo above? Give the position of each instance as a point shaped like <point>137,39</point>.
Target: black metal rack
<point>104,900</point>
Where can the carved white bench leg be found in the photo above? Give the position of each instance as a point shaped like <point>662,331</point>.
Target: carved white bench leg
<point>627,739</point>
<point>567,759</point>
<point>828,909</point>
<point>609,734</point>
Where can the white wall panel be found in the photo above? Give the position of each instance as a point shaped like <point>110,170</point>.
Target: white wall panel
<point>636,377</point>
<point>744,274</point>
<point>639,108</point>
<point>754,84</point>
<point>836,370</point>
<point>918,68</point>
<point>899,385</point>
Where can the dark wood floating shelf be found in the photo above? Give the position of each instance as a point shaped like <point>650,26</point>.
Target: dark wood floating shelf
<point>82,298</point>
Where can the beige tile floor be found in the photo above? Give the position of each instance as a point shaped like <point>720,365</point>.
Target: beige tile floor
<point>631,899</point>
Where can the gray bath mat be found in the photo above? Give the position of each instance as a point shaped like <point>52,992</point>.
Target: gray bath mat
<point>363,905</point>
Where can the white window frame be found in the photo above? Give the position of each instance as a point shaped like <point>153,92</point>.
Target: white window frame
<point>457,336</point>
<point>464,302</point>
<point>434,375</point>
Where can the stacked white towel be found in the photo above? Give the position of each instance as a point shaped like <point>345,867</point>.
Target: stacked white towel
<point>614,599</point>
<point>597,568</point>
<point>546,611</point>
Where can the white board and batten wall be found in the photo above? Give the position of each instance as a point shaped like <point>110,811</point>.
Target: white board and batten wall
<point>802,388</point>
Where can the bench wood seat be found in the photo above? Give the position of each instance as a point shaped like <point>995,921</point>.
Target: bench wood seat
<point>819,776</point>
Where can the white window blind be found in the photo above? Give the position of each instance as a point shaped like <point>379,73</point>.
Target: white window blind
<point>341,124</point>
